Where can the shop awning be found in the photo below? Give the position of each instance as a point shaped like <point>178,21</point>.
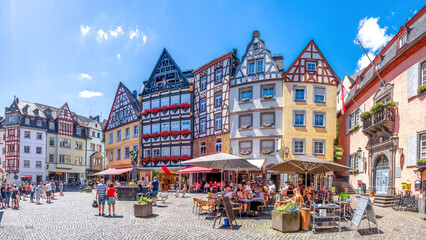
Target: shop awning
<point>193,169</point>
<point>114,171</point>
<point>28,176</point>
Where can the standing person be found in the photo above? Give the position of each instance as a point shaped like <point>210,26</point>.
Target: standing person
<point>61,189</point>
<point>53,185</point>
<point>48,191</point>
<point>21,191</point>
<point>32,188</point>
<point>15,196</point>
<point>112,198</point>
<point>271,188</point>
<point>372,198</point>
<point>3,194</point>
<point>38,194</point>
<point>8,194</point>
<point>100,196</point>
<point>155,185</point>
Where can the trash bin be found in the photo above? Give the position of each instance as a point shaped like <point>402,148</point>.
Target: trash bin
<point>305,219</point>
<point>363,188</point>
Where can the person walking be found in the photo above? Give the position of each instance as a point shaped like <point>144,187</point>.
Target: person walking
<point>32,188</point>
<point>112,197</point>
<point>100,196</point>
<point>48,192</point>
<point>155,185</point>
<point>15,196</point>
<point>38,194</point>
<point>61,189</point>
<point>8,194</point>
<point>53,185</point>
<point>21,191</point>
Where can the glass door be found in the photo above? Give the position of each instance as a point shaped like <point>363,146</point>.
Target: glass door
<point>382,181</point>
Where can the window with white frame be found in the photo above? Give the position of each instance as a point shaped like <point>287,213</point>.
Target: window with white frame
<point>298,146</point>
<point>156,152</point>
<point>246,147</point>
<point>165,152</point>
<point>147,129</point>
<point>110,138</point>
<point>246,121</point>
<point>26,149</point>
<point>38,164</point>
<point>27,134</point>
<point>27,121</point>
<point>186,125</point>
<point>155,103</point>
<point>299,93</point>
<point>175,151</point>
<point>65,142</point>
<point>203,148</point>
<point>203,126</point>
<point>268,91</point>
<point>147,153</point>
<point>118,135</point>
<point>11,148</point>
<point>26,163</point>
<point>203,105</point>
<point>219,76</point>
<point>246,94</point>
<point>39,136</point>
<point>267,147</point>
<point>423,80</point>
<point>186,98</point>
<point>175,126</point>
<point>299,118</point>
<point>126,152</point>
<point>218,145</point>
<point>127,133</point>
<point>203,83</point>
<point>78,131</point>
<point>156,128</point>
<point>319,119</point>
<point>146,105</point>
<point>218,100</point>
<point>38,150</point>
<point>165,102</point>
<point>354,161</point>
<point>319,94</point>
<point>118,154</point>
<point>111,155</point>
<point>165,127</point>
<point>99,148</point>
<point>175,99</point>
<point>78,145</point>
<point>186,150</point>
<point>267,119</point>
<point>422,146</point>
<point>52,141</point>
<point>218,122</point>
<point>355,118</point>
<point>259,65</point>
<point>311,66</point>
<point>92,147</point>
<point>51,125</point>
<point>403,40</point>
<point>318,146</point>
<point>136,131</point>
<point>38,123</point>
<point>251,67</point>
<point>11,133</point>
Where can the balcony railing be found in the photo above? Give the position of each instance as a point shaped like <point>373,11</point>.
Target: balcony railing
<point>381,119</point>
<point>11,169</point>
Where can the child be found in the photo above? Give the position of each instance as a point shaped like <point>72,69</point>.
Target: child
<point>38,194</point>
<point>112,197</point>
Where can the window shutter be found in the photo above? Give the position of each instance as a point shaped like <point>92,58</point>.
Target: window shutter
<point>362,109</point>
<point>361,162</point>
<point>348,163</point>
<point>412,151</point>
<point>348,119</point>
<point>412,80</point>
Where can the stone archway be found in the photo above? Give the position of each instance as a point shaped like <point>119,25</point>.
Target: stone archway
<point>381,174</point>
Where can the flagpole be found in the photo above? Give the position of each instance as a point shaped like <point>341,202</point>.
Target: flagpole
<point>374,67</point>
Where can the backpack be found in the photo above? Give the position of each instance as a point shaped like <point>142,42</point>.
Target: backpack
<point>95,204</point>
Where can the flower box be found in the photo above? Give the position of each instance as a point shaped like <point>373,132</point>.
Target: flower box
<point>245,153</point>
<point>267,97</point>
<point>156,134</point>
<point>353,128</point>
<point>267,125</point>
<point>164,108</point>
<point>145,112</point>
<point>354,171</point>
<point>174,106</point>
<point>421,89</point>
<point>267,152</point>
<point>174,133</point>
<point>185,132</point>
<point>165,134</point>
<point>185,105</point>
<point>246,126</point>
<point>421,162</point>
<point>154,110</point>
<point>145,136</point>
<point>245,100</point>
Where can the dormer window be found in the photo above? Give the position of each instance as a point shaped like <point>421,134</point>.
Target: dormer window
<point>311,66</point>
<point>78,131</point>
<point>27,121</point>
<point>402,40</point>
<point>38,123</point>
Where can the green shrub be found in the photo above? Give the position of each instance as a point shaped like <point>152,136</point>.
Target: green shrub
<point>364,115</point>
<point>377,106</point>
<point>421,89</point>
<point>391,104</point>
<point>353,128</point>
<point>421,162</point>
<point>143,200</point>
<point>290,207</point>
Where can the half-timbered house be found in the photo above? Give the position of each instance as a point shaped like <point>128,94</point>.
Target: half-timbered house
<point>167,107</point>
<point>211,105</point>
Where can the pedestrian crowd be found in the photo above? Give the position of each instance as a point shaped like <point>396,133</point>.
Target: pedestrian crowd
<point>12,194</point>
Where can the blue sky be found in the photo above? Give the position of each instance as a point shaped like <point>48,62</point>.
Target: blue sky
<point>54,52</point>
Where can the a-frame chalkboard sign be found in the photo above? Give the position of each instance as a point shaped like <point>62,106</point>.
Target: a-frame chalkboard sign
<point>227,208</point>
<point>365,207</point>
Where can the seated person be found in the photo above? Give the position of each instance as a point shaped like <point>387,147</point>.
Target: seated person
<point>323,195</point>
<point>257,200</point>
<point>307,198</point>
<point>242,197</point>
<point>206,187</point>
<point>344,195</point>
<point>228,193</point>
<point>181,191</point>
<point>298,198</point>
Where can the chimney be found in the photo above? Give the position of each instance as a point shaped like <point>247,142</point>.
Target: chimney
<point>234,51</point>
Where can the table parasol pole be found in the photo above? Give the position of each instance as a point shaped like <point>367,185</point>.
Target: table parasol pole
<point>306,178</point>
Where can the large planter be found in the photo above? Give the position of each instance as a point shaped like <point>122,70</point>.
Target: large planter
<point>143,210</point>
<point>286,222</point>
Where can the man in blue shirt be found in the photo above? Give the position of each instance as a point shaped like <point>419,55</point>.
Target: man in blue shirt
<point>155,185</point>
<point>101,196</point>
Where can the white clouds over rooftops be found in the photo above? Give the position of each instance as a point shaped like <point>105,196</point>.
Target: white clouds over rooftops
<point>136,34</point>
<point>89,94</point>
<point>372,37</point>
<point>102,35</point>
<point>84,30</point>
<point>116,32</point>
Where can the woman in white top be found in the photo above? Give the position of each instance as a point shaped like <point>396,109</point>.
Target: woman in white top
<point>372,198</point>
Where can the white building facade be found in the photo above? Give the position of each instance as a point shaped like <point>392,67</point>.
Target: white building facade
<point>32,161</point>
<point>95,148</point>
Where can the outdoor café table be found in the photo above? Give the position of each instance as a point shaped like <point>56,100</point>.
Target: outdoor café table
<point>249,201</point>
<point>344,203</point>
<point>330,220</point>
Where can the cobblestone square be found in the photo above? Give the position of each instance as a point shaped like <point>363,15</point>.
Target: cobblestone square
<point>72,217</point>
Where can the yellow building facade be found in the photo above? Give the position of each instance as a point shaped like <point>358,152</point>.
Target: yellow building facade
<point>309,108</point>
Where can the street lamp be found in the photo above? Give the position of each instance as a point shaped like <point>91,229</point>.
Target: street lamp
<point>395,140</point>
<point>286,150</point>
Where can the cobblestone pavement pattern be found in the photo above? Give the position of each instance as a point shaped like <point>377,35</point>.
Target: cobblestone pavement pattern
<point>72,217</point>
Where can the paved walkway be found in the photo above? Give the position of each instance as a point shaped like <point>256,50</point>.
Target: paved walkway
<point>72,217</point>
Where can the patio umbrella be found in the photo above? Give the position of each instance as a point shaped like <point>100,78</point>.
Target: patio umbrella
<point>307,164</point>
<point>222,161</point>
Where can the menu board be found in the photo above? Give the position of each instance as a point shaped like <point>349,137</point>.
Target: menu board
<point>364,206</point>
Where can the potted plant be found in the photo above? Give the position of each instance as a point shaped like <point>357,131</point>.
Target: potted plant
<point>355,171</point>
<point>154,110</point>
<point>143,207</point>
<point>421,89</point>
<point>155,135</point>
<point>88,189</point>
<point>164,108</point>
<point>174,107</point>
<point>165,134</point>
<point>133,184</point>
<point>421,162</point>
<point>286,218</point>
<point>185,105</point>
<point>378,106</point>
<point>145,136</point>
<point>185,132</point>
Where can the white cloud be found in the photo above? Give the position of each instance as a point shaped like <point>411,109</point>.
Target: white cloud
<point>118,56</point>
<point>84,30</point>
<point>372,38</point>
<point>89,94</point>
<point>144,39</point>
<point>116,32</point>
<point>102,35</point>
<point>84,76</point>
<point>363,61</point>
<point>393,14</point>
<point>134,33</point>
